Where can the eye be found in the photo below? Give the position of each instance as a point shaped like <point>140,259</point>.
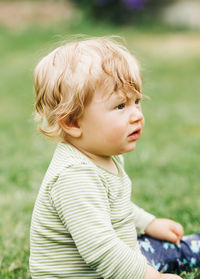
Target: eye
<point>121,106</point>
<point>137,101</point>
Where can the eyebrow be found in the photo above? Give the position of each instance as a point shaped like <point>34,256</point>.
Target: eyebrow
<point>117,97</point>
<point>123,96</point>
<point>139,94</point>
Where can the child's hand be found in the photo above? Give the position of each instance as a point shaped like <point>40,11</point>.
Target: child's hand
<point>165,229</point>
<point>152,273</point>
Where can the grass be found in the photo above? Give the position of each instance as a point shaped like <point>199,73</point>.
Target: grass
<point>165,166</point>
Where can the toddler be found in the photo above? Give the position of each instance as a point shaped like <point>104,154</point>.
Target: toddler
<point>84,224</point>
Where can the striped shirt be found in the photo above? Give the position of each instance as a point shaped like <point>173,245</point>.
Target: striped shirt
<point>84,223</point>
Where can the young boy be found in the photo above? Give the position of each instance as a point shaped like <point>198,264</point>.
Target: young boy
<point>84,224</point>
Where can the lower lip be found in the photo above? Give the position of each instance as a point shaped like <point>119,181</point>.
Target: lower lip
<point>134,136</point>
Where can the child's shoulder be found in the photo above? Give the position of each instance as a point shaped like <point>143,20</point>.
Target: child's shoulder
<point>69,162</point>
<point>66,161</point>
<point>67,156</point>
<point>69,167</point>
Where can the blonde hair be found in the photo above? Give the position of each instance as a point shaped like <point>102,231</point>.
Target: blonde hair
<point>65,80</point>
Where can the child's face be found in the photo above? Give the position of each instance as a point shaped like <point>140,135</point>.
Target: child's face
<point>111,126</point>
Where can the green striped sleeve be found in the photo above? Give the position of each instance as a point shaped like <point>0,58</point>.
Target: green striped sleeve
<point>142,218</point>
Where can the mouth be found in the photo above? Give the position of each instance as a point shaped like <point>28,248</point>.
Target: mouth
<point>135,135</point>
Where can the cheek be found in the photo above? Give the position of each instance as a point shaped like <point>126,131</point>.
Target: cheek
<point>115,133</point>
<point>142,121</point>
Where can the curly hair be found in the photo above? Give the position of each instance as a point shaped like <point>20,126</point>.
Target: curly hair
<point>65,80</point>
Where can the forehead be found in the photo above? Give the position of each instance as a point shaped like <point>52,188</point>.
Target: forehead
<point>108,87</point>
<point>115,96</point>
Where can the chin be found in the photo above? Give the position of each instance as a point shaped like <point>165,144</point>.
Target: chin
<point>130,148</point>
<point>133,145</point>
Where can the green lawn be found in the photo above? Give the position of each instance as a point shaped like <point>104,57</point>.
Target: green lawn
<point>165,166</point>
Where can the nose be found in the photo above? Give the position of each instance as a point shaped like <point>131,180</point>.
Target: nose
<point>136,115</point>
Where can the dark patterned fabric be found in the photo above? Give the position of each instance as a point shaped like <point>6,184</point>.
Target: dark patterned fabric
<point>168,257</point>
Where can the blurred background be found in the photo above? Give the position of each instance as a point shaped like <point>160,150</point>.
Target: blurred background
<point>165,167</point>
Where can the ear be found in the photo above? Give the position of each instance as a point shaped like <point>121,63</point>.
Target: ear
<point>71,128</point>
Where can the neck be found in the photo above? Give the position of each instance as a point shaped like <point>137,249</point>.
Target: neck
<point>105,162</point>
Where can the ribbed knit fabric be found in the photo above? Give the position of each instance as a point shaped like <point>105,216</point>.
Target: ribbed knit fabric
<point>84,223</point>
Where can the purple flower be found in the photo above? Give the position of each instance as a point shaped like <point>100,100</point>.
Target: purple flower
<point>135,4</point>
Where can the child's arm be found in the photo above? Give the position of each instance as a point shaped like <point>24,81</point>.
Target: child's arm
<point>165,229</point>
<point>84,209</point>
<point>142,218</point>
